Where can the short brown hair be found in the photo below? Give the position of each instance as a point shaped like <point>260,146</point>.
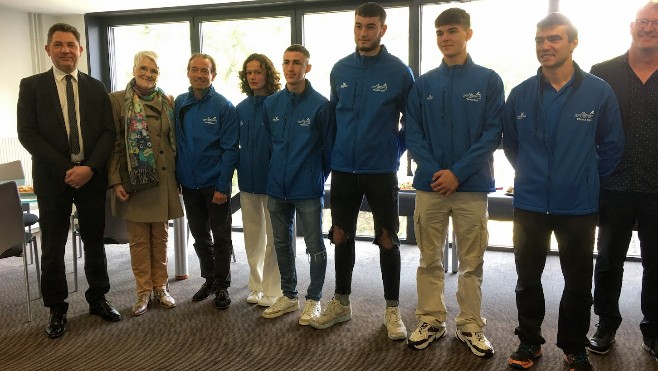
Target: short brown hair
<point>558,19</point>
<point>371,10</point>
<point>62,27</point>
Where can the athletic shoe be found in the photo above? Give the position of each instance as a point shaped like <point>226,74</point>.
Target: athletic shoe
<point>281,306</point>
<point>525,356</point>
<point>578,362</point>
<point>424,334</point>
<point>394,325</point>
<point>254,297</point>
<point>602,340</point>
<point>334,313</point>
<point>477,342</point>
<point>311,310</point>
<point>267,301</point>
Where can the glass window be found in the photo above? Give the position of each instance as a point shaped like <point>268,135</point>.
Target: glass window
<point>230,42</point>
<point>604,32</point>
<point>171,41</point>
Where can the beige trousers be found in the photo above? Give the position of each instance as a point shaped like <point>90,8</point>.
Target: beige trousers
<point>431,218</point>
<point>148,255</point>
<point>259,245</point>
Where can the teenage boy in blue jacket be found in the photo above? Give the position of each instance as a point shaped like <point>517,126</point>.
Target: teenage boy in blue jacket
<point>369,88</point>
<point>562,133</point>
<point>207,140</point>
<point>300,122</point>
<point>454,124</point>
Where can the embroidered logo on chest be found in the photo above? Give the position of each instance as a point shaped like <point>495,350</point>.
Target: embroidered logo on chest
<point>473,97</point>
<point>584,116</point>
<point>210,120</point>
<point>521,116</point>
<point>380,88</point>
<point>304,122</point>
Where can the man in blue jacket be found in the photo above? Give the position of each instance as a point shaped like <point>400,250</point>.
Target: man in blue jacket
<point>369,88</point>
<point>562,133</point>
<point>629,197</point>
<point>300,122</point>
<point>452,139</point>
<point>207,139</point>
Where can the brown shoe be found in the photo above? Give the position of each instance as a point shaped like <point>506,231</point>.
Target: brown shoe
<point>163,297</point>
<point>142,304</point>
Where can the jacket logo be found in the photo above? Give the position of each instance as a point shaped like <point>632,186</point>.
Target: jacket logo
<point>343,85</point>
<point>584,116</point>
<point>275,119</point>
<point>430,97</point>
<point>210,120</point>
<point>521,116</point>
<point>471,97</point>
<point>304,122</point>
<point>380,87</point>
<point>241,123</point>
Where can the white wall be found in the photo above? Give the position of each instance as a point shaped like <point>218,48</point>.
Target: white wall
<point>19,61</point>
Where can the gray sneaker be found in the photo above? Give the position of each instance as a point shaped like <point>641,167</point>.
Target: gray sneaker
<point>333,314</point>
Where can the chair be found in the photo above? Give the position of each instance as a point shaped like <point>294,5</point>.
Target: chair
<point>12,230</point>
<point>13,171</point>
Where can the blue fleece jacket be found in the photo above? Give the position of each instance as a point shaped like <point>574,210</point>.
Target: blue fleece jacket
<point>254,146</point>
<point>207,140</point>
<point>559,163</point>
<point>302,131</point>
<point>370,94</point>
<point>454,122</point>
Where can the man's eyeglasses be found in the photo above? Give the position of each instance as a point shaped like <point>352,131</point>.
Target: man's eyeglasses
<point>645,22</point>
<point>153,71</point>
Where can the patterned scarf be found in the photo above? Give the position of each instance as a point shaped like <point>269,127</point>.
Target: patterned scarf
<point>139,150</point>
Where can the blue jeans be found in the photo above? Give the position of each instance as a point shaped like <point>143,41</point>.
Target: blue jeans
<point>282,213</point>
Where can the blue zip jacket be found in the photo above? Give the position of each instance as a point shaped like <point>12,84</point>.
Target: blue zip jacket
<point>370,94</point>
<point>301,128</point>
<point>454,121</point>
<point>254,146</point>
<point>207,141</point>
<point>558,169</point>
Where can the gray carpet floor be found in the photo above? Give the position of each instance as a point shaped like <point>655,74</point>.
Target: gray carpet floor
<point>196,336</point>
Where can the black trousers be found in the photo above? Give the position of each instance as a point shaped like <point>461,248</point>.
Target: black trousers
<point>203,216</point>
<point>54,221</point>
<point>619,211</point>
<point>381,191</point>
<point>575,237</point>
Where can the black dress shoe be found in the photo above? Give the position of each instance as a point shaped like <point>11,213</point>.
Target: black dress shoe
<point>104,309</point>
<point>56,324</point>
<point>206,290</point>
<point>601,341</point>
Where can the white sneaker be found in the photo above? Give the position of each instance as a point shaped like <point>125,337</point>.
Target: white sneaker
<point>254,297</point>
<point>311,310</point>
<point>267,301</point>
<point>281,306</point>
<point>424,334</point>
<point>334,313</point>
<point>478,343</point>
<point>394,324</point>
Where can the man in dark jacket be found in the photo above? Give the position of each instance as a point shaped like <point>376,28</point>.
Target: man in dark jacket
<point>561,133</point>
<point>630,195</point>
<point>65,122</point>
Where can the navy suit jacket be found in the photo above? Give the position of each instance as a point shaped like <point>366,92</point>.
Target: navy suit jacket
<point>42,131</point>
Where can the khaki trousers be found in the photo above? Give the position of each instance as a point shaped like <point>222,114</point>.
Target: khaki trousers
<point>431,218</point>
<point>148,255</point>
<point>259,245</point>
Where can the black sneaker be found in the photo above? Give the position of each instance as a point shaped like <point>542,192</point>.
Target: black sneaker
<point>206,290</point>
<point>578,362</point>
<point>602,340</point>
<point>222,300</point>
<point>525,356</point>
<point>651,346</point>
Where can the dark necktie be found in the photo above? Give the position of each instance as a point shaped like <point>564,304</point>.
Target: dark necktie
<point>74,139</point>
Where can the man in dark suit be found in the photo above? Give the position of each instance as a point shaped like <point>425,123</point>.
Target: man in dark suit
<point>65,122</point>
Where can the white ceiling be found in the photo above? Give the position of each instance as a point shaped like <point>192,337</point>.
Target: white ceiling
<point>90,6</point>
